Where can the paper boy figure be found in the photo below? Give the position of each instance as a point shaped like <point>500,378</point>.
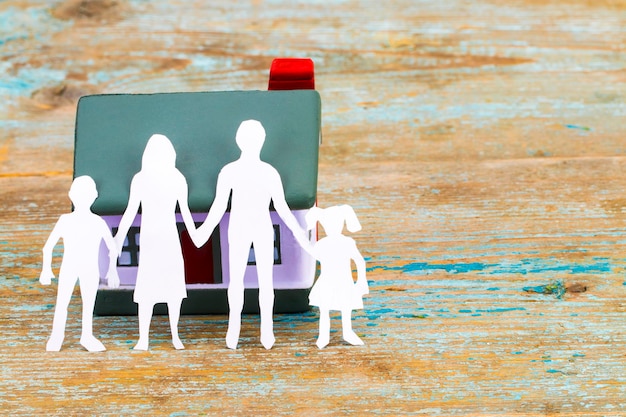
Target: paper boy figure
<point>158,188</point>
<point>254,184</point>
<point>82,232</point>
<point>335,288</point>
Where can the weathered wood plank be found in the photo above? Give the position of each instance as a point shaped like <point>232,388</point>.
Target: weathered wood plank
<point>480,143</point>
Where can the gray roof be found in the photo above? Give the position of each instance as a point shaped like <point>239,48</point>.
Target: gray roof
<point>112,131</point>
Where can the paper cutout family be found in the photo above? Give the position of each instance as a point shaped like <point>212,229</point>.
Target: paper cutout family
<point>250,185</point>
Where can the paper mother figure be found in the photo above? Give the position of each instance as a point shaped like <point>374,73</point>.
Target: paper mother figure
<point>335,288</point>
<point>82,232</point>
<point>158,187</point>
<point>254,184</point>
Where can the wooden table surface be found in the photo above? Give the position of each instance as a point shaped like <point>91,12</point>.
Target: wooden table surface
<point>480,142</point>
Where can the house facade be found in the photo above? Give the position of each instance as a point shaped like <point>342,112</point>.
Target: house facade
<point>111,134</point>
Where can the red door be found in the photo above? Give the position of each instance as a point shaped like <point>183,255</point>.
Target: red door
<point>199,262</point>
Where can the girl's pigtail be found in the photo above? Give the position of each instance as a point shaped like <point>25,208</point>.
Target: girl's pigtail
<point>352,222</point>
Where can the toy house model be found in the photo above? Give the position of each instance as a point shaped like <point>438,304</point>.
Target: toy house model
<point>111,134</point>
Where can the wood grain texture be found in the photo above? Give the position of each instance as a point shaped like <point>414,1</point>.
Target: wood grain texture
<point>481,143</point>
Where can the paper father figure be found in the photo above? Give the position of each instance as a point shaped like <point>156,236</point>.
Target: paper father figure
<point>254,184</point>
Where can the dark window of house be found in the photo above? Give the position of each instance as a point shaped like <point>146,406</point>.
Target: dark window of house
<point>130,250</point>
<point>277,256</point>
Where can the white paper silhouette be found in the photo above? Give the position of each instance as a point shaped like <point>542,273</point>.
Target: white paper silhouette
<point>335,288</point>
<point>158,188</point>
<point>254,184</point>
<point>82,232</point>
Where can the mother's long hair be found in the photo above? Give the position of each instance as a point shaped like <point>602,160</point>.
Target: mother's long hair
<point>159,154</point>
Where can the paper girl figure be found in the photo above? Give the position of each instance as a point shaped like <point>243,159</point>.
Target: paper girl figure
<point>158,188</point>
<point>82,232</point>
<point>253,184</point>
<point>335,288</point>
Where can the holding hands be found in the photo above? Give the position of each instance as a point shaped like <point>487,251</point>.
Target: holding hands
<point>113,279</point>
